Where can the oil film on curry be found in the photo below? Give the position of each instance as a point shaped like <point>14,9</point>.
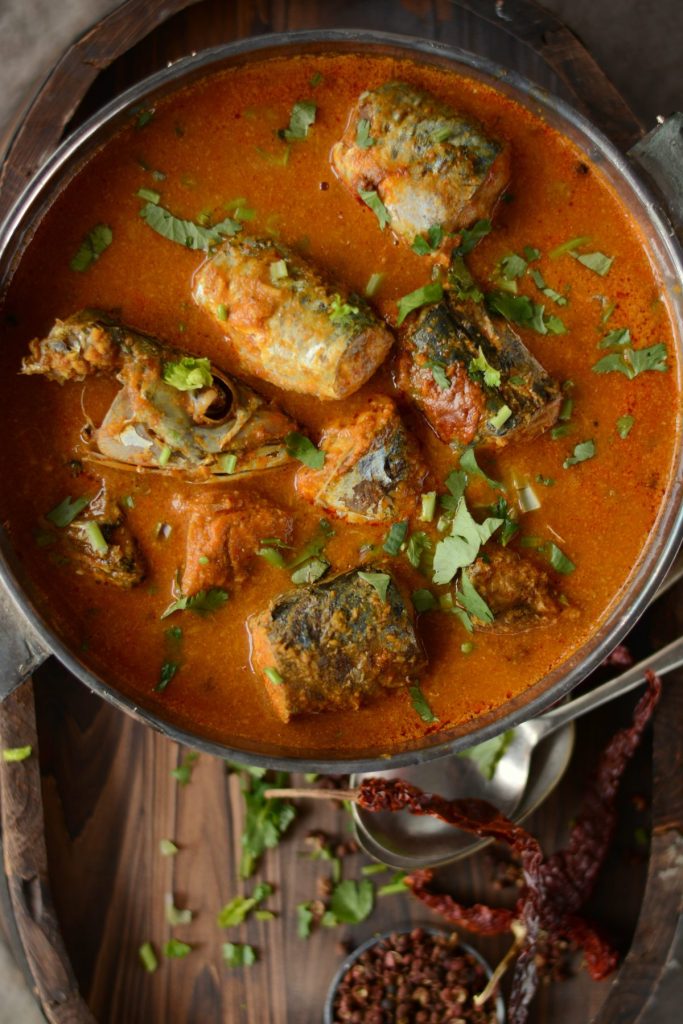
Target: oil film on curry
<point>348,401</point>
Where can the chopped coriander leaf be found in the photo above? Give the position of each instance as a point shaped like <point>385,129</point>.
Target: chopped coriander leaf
<point>547,481</point>
<point>144,116</point>
<point>545,289</point>
<point>439,375</point>
<point>274,676</point>
<point>175,917</point>
<point>456,482</point>
<point>420,297</point>
<point>558,559</point>
<point>418,546</point>
<point>595,261</point>
<point>486,755</point>
<point>278,271</point>
<point>167,848</point>
<point>582,452</point>
<point>183,773</point>
<point>373,284</point>
<point>186,232</point>
<point>424,246</point>
<point>470,238</point>
<point>462,546</point>
<point>315,80</point>
<point>560,431</point>
<point>65,513</point>
<point>421,706</point>
<point>188,373</point>
<point>395,537</point>
<point>461,282</point>
<point>264,915</point>
<point>396,885</point>
<point>168,670</point>
<point>519,309</point>
<point>273,557</point>
<point>473,603</point>
<point>373,869</point>
<point>378,580</point>
<point>371,199</point>
<point>619,336</point>
<point>467,647</point>
<point>469,463</point>
<point>346,314</point>
<point>573,243</point>
<point>624,425</point>
<point>95,537</point>
<point>566,410</point>
<point>235,912</point>
<point>227,463</point>
<point>91,248</point>
<point>303,449</point>
<point>511,266</point>
<point>531,253</point>
<point>165,455</point>
<point>311,571</point>
<point>12,755</point>
<point>148,194</point>
<point>174,949</point>
<point>424,601</point>
<point>364,139</point>
<point>501,417</point>
<point>266,818</point>
<point>463,617</point>
<point>482,365</point>
<point>300,120</point>
<point>428,507</point>
<point>148,957</point>
<point>304,919</point>
<point>203,602</point>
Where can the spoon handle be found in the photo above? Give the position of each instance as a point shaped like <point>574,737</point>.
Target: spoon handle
<point>666,660</point>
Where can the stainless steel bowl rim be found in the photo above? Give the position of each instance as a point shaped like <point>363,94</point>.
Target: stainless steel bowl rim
<point>78,147</point>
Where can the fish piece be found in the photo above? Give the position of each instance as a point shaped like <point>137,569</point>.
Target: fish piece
<point>206,423</point>
<point>335,644</point>
<point>519,592</point>
<point>286,324</point>
<point>223,536</point>
<point>373,469</point>
<point>443,343</point>
<point>110,553</point>
<point>428,164</point>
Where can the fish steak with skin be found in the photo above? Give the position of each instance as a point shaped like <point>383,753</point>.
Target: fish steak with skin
<point>335,645</point>
<point>373,470</point>
<point>427,164</point>
<point>174,412</point>
<point>286,324</point>
<point>474,379</point>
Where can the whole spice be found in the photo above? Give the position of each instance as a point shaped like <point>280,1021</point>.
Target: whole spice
<point>554,889</point>
<point>412,977</point>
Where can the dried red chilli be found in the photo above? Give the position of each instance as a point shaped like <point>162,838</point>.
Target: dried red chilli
<point>554,888</point>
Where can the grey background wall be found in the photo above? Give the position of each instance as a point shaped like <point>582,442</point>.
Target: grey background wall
<point>639,43</point>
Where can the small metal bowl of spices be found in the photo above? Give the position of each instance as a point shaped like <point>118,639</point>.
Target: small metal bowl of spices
<point>420,976</point>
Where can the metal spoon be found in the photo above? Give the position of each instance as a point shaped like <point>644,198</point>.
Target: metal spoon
<point>405,841</point>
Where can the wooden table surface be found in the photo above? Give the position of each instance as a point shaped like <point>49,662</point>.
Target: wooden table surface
<point>107,792</point>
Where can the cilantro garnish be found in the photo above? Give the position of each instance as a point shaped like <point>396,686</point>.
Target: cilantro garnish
<point>461,548</point>
<point>238,954</point>
<point>188,373</point>
<point>186,232</point>
<point>303,449</point>
<point>174,949</point>
<point>364,139</point>
<point>203,602</point>
<point>379,580</point>
<point>519,309</point>
<point>595,261</point>
<point>482,365</point>
<point>235,912</point>
<point>469,463</point>
<point>632,362</point>
<point>65,513</point>
<point>168,670</point>
<point>300,120</point>
<point>304,919</point>
<point>420,297</point>
<point>372,199</point>
<point>461,282</point>
<point>420,704</point>
<point>91,248</point>
<point>582,452</point>
<point>471,237</point>
<point>619,336</point>
<point>311,571</point>
<point>424,601</point>
<point>624,425</point>
<point>424,246</point>
<point>473,603</point>
<point>395,537</point>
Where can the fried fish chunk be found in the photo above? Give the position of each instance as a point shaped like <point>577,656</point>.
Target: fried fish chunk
<point>373,469</point>
<point>429,165</point>
<point>98,543</point>
<point>519,592</point>
<point>474,380</point>
<point>286,324</point>
<point>335,645</point>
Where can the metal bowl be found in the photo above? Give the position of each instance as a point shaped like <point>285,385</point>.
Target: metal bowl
<point>328,1010</point>
<point>28,634</point>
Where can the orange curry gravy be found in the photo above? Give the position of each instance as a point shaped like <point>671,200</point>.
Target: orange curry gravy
<point>214,142</point>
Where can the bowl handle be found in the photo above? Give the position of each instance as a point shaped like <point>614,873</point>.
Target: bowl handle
<point>659,154</point>
<point>21,648</point>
